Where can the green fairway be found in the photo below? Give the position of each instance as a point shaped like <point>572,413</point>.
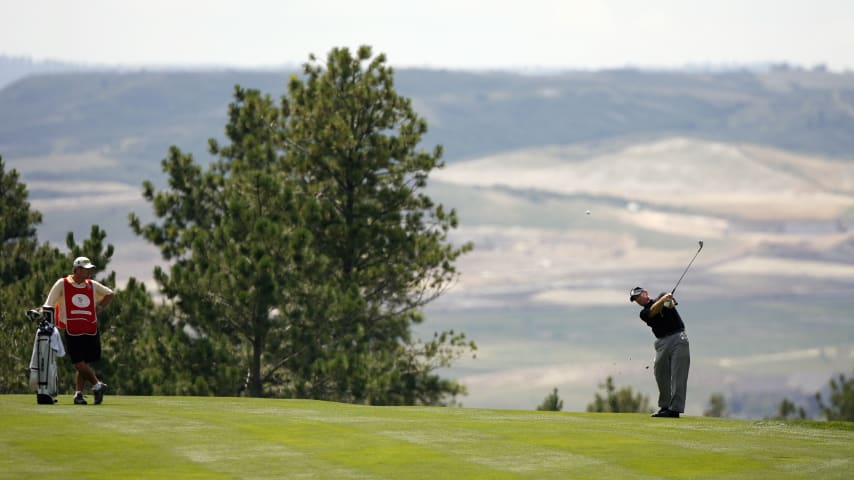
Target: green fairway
<point>203,437</point>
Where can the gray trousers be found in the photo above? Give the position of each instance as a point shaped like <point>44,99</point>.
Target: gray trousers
<point>672,359</point>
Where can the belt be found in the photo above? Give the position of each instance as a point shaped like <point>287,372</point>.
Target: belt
<point>674,332</point>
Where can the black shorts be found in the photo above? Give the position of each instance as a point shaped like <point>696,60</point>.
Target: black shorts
<point>83,348</point>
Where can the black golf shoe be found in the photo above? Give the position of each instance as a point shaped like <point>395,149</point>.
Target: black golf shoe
<point>665,413</point>
<point>99,393</point>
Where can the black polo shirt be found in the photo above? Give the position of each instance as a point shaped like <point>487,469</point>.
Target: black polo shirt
<point>667,322</point>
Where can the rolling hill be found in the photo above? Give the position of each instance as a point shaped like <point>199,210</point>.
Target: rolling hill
<point>544,291</point>
<point>756,164</point>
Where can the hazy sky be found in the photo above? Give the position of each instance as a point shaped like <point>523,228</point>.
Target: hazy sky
<point>469,34</point>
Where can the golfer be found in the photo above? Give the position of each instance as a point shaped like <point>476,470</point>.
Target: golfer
<point>78,298</point>
<point>672,356</point>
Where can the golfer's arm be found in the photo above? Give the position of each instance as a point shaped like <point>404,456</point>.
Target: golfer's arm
<point>656,307</point>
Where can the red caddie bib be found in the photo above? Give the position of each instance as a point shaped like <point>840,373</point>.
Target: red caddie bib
<point>80,309</point>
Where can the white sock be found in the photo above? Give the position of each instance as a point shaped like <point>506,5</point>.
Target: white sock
<point>98,386</point>
<point>77,393</point>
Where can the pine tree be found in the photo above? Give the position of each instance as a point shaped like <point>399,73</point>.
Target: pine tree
<point>309,244</point>
<point>27,270</point>
<point>552,402</point>
<point>840,406</point>
<point>615,401</point>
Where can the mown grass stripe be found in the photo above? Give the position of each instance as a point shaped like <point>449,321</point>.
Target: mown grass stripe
<point>198,437</point>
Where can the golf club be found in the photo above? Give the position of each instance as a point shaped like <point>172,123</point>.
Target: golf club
<point>686,268</point>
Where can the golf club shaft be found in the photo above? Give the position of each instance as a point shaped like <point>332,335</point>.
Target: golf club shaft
<point>686,268</point>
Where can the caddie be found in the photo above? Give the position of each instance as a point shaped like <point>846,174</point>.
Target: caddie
<point>78,299</point>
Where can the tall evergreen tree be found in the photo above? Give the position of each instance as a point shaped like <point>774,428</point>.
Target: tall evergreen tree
<point>383,240</point>
<point>309,245</point>
<point>226,232</point>
<point>26,273</point>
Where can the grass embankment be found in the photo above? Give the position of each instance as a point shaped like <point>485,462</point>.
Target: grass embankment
<point>193,437</point>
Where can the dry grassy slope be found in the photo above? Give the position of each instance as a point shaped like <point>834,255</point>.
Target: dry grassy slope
<point>735,181</point>
<point>760,211</point>
<point>545,290</point>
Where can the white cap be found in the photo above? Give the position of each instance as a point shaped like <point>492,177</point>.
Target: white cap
<point>82,262</point>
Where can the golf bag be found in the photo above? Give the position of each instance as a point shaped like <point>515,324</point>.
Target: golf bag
<point>47,346</point>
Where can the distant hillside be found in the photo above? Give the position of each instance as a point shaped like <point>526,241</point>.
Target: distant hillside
<point>759,165</point>
<point>16,68</point>
<point>132,118</point>
<point>753,136</point>
<point>735,181</point>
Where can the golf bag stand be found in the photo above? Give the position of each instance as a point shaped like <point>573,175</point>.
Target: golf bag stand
<point>43,373</point>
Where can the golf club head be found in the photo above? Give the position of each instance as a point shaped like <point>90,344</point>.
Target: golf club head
<point>701,244</point>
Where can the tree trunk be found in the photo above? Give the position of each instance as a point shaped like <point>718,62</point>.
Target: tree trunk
<point>255,386</point>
